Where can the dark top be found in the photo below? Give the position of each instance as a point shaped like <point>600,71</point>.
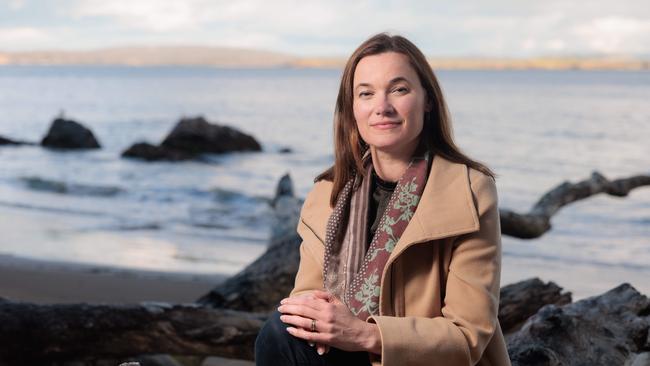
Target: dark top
<point>380,192</point>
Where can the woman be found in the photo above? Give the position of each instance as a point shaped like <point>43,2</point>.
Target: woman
<point>401,252</point>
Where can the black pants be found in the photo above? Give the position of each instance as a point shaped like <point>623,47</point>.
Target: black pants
<point>275,346</point>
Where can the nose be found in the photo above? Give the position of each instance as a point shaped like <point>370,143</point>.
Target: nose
<point>384,107</point>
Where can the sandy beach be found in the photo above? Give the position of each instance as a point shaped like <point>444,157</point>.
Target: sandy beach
<point>46,282</point>
<point>61,282</point>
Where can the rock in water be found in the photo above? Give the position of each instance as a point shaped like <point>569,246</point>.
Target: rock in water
<point>610,329</point>
<point>197,136</point>
<point>284,188</point>
<point>68,134</point>
<point>286,212</point>
<point>6,141</point>
<point>149,152</point>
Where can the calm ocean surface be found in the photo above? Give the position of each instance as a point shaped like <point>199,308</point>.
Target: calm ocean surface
<point>536,129</point>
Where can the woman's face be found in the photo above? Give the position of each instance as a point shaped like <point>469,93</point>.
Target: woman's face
<point>389,103</point>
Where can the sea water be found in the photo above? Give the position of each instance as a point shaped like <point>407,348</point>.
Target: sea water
<point>535,129</point>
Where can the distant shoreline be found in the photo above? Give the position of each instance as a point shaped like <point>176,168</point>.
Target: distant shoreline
<point>222,57</point>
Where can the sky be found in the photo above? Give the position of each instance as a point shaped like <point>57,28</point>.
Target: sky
<point>453,28</point>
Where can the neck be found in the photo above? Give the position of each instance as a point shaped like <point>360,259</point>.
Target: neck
<point>390,166</point>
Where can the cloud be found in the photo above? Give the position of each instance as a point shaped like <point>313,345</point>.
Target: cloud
<point>286,24</point>
<point>615,34</point>
<point>15,4</point>
<point>179,15</point>
<point>498,28</point>
<point>16,36</point>
<point>152,15</point>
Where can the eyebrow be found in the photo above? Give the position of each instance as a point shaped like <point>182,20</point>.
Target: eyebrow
<point>392,81</point>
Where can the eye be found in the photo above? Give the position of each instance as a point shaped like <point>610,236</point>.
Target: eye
<point>364,94</point>
<point>400,90</point>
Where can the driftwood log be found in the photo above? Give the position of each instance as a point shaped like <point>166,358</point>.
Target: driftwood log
<point>262,284</point>
<point>41,334</point>
<point>45,334</point>
<point>610,329</point>
<point>538,220</point>
<point>519,301</point>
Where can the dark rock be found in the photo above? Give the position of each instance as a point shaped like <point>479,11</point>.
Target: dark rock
<point>284,188</point>
<point>285,150</point>
<point>197,136</point>
<point>149,152</point>
<point>286,211</point>
<point>192,137</point>
<point>610,329</point>
<point>68,134</point>
<point>7,141</point>
<point>521,300</point>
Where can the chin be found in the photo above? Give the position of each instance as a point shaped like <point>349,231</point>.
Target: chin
<point>387,146</point>
<point>390,144</point>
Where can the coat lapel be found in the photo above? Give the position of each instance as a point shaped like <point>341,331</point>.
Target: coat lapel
<point>445,209</point>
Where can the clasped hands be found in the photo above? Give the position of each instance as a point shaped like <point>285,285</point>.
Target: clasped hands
<point>335,325</point>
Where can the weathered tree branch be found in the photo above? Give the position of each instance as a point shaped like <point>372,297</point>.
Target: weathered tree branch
<point>41,334</point>
<point>262,284</point>
<point>538,221</point>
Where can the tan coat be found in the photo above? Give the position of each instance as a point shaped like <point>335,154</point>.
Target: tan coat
<point>440,287</point>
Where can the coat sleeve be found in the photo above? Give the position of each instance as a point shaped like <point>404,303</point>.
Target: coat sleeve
<point>310,270</point>
<point>312,249</point>
<point>470,308</point>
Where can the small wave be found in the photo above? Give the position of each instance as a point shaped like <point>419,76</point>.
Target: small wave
<point>228,196</point>
<point>579,261</point>
<point>136,227</point>
<point>642,221</point>
<point>204,259</point>
<point>209,225</point>
<point>52,209</point>
<point>53,186</point>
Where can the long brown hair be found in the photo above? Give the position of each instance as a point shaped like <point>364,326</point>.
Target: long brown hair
<point>436,133</point>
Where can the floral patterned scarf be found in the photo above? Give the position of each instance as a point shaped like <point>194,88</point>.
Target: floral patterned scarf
<point>351,271</point>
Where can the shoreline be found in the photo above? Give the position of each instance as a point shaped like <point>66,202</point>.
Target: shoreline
<point>47,282</point>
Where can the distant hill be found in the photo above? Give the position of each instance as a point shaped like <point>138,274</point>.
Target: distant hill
<point>152,56</point>
<point>236,57</point>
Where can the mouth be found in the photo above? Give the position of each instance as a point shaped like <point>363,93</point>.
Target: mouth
<point>385,125</point>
